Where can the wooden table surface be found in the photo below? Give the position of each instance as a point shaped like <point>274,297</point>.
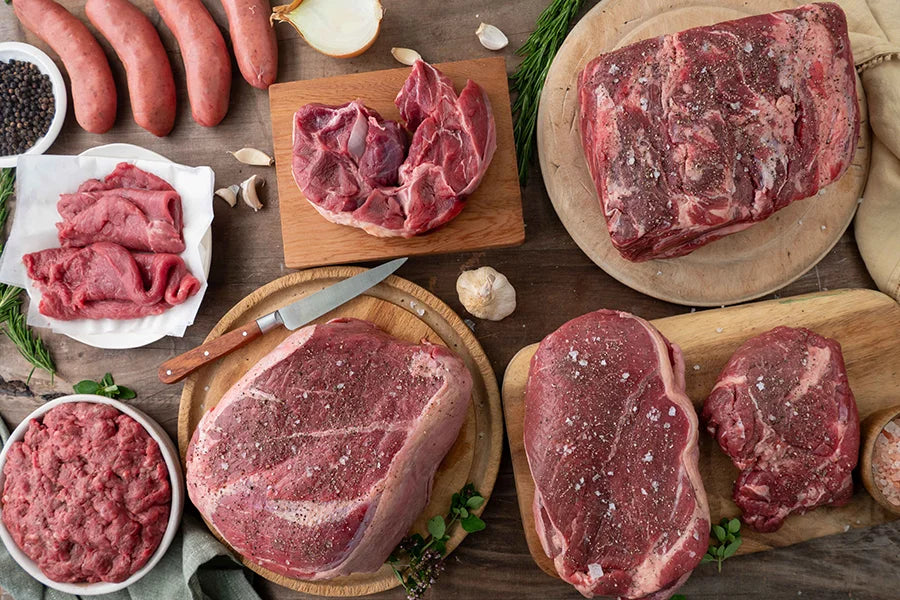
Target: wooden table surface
<point>554,280</point>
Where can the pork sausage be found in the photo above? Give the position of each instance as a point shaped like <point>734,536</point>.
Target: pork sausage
<point>93,88</point>
<point>253,40</point>
<point>150,82</point>
<point>207,65</point>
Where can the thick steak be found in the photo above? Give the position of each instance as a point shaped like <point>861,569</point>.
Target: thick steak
<point>317,462</point>
<point>611,440</point>
<point>699,134</point>
<point>783,411</point>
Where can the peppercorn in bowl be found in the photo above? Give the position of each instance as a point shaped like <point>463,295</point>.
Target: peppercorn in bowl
<point>32,101</point>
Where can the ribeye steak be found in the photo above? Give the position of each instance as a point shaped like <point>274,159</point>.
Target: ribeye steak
<point>611,439</point>
<point>699,134</point>
<point>317,462</point>
<point>783,411</point>
<point>352,165</point>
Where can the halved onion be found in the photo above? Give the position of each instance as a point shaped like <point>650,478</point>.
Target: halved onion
<point>339,28</point>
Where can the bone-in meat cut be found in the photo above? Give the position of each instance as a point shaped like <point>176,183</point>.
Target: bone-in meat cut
<point>611,440</point>
<point>352,165</point>
<point>696,135</point>
<point>319,459</point>
<point>782,409</point>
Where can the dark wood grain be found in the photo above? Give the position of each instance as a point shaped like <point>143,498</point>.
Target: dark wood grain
<point>554,280</point>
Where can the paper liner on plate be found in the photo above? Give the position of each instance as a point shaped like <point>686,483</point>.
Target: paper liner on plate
<point>39,182</point>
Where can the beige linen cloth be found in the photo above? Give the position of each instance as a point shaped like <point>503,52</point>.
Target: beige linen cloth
<point>875,38</point>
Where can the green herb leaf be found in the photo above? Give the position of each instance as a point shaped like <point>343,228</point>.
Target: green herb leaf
<point>707,558</point>
<point>734,525</point>
<point>731,549</point>
<point>126,393</point>
<point>474,502</point>
<point>719,532</point>
<point>106,387</point>
<point>472,524</point>
<point>86,387</point>
<point>437,527</point>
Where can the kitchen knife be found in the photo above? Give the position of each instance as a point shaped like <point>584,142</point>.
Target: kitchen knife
<point>294,315</point>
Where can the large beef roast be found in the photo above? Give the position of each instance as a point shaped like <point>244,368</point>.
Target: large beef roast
<point>783,411</point>
<point>611,440</point>
<point>695,135</point>
<point>317,462</point>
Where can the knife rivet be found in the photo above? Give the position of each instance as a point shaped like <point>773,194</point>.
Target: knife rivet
<point>245,334</point>
<point>168,371</point>
<point>206,353</point>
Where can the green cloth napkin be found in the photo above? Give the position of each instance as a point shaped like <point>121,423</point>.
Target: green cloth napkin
<point>196,567</point>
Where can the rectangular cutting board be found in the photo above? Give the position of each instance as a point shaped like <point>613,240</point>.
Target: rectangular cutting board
<point>492,217</point>
<point>865,322</point>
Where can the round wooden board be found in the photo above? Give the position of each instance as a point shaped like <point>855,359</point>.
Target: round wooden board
<point>736,268</point>
<point>406,311</point>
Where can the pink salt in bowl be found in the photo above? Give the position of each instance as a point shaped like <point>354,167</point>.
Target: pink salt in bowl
<point>176,482</point>
<point>872,455</point>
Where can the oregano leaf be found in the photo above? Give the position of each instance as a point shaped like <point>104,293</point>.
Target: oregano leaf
<point>436,526</point>
<point>472,524</point>
<point>474,502</point>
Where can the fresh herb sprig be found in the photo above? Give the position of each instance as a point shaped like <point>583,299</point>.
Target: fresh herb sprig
<point>12,321</point>
<point>105,387</point>
<point>528,80</point>
<point>418,561</point>
<point>724,541</point>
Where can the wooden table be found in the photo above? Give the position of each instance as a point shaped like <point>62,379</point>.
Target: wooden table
<point>554,280</point>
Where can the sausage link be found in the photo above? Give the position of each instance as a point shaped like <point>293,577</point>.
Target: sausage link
<point>93,88</point>
<point>207,65</point>
<point>151,85</point>
<point>253,40</point>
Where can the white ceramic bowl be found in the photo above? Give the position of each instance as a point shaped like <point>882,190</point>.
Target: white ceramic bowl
<point>28,53</point>
<point>170,456</point>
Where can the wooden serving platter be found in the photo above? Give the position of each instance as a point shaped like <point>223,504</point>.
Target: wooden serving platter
<point>492,217</point>
<point>865,322</point>
<point>406,311</point>
<point>736,268</point>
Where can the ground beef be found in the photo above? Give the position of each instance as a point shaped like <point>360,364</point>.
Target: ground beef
<point>87,494</point>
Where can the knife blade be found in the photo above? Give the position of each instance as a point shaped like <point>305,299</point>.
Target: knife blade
<point>294,315</point>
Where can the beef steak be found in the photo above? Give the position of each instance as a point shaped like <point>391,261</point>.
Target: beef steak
<point>352,165</point>
<point>699,134</point>
<point>783,411</point>
<point>611,439</point>
<point>316,463</point>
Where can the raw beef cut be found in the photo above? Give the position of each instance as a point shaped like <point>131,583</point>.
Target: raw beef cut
<point>106,281</point>
<point>349,162</point>
<point>129,207</point>
<point>692,136</point>
<point>316,463</point>
<point>783,411</point>
<point>611,439</point>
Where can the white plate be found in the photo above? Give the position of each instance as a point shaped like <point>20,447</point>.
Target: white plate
<point>170,456</point>
<point>28,53</point>
<point>117,341</point>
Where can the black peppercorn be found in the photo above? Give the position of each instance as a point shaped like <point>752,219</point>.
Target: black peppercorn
<point>26,106</point>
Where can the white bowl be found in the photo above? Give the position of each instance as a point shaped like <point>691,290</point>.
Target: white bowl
<point>28,53</point>
<point>176,480</point>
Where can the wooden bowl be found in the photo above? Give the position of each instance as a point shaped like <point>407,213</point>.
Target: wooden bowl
<point>870,430</point>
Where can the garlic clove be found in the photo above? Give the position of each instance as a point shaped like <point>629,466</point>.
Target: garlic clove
<point>248,192</point>
<point>252,156</point>
<point>229,194</point>
<point>491,37</point>
<point>338,28</point>
<point>486,293</point>
<point>406,56</point>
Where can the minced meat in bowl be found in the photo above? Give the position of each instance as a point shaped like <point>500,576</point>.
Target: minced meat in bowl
<point>86,494</point>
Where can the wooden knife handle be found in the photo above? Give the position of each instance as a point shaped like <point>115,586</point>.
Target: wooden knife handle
<point>176,369</point>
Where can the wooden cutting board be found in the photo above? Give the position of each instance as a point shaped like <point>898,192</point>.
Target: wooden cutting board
<point>406,311</point>
<point>865,322</point>
<point>492,217</point>
<point>736,268</point>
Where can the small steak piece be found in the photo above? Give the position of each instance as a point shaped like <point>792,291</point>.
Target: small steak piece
<point>696,135</point>
<point>611,439</point>
<point>783,411</point>
<point>352,166</point>
<point>106,281</point>
<point>318,461</point>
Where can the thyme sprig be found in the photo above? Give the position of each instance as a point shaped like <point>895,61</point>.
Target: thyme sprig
<point>724,541</point>
<point>418,561</point>
<point>528,80</point>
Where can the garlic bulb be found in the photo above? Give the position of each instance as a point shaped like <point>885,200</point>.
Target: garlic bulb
<point>491,37</point>
<point>486,293</point>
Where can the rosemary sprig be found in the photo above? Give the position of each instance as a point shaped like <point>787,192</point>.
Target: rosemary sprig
<point>105,387</point>
<point>12,321</point>
<point>528,80</point>
<point>724,541</point>
<point>424,558</point>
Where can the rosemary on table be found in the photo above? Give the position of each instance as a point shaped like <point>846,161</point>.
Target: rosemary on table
<point>12,321</point>
<point>105,387</point>
<point>724,541</point>
<point>528,80</point>
<point>418,561</point>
